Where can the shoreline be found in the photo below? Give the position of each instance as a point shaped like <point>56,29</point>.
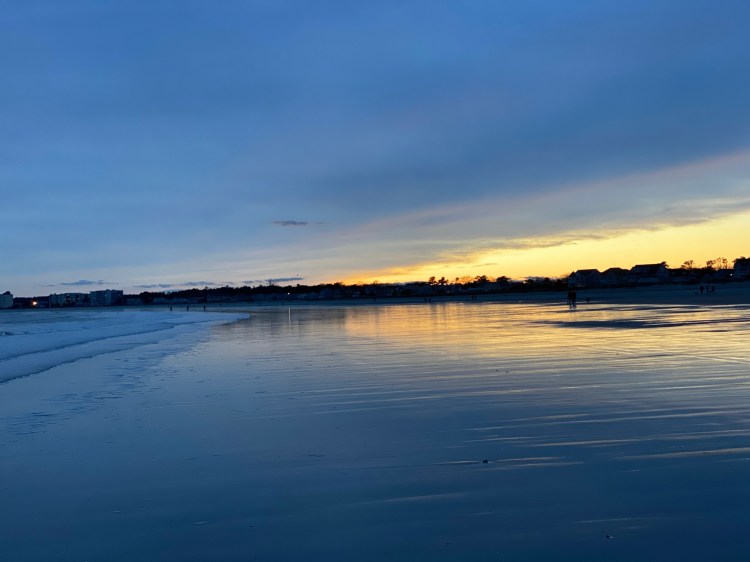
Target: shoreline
<point>735,293</point>
<point>729,294</point>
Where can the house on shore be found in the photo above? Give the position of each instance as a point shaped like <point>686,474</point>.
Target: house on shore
<point>614,277</point>
<point>649,274</point>
<point>108,297</point>
<point>717,276</point>
<point>67,299</point>
<point>741,268</point>
<point>684,275</point>
<point>6,300</point>
<point>585,279</point>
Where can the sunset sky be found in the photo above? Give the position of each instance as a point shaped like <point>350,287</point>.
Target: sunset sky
<point>168,144</point>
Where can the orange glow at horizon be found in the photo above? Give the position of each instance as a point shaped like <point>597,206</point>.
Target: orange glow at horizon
<point>674,244</point>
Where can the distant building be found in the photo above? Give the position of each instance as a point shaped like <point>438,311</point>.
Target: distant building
<point>717,276</point>
<point>650,273</point>
<point>614,277</point>
<point>108,297</point>
<point>585,279</point>
<point>684,275</point>
<point>6,300</point>
<point>68,299</point>
<point>741,268</point>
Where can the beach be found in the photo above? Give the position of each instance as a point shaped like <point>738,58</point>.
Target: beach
<point>505,429</point>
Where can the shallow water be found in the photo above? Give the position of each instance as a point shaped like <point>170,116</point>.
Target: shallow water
<point>443,431</point>
<point>32,341</point>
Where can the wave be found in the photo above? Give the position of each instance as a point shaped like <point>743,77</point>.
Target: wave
<point>36,341</point>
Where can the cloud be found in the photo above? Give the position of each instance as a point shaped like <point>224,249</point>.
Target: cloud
<point>85,282</point>
<point>184,284</point>
<point>290,223</point>
<point>284,279</point>
<point>273,280</point>
<point>199,283</point>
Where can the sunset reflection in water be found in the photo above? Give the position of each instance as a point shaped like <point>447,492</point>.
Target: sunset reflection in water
<point>426,431</point>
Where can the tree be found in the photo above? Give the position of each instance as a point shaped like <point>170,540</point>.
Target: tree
<point>688,264</point>
<point>721,263</point>
<point>147,297</point>
<point>431,280</point>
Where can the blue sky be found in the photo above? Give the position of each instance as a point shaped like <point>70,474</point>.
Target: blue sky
<point>178,143</point>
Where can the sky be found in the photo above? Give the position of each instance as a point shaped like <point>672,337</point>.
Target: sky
<point>159,145</point>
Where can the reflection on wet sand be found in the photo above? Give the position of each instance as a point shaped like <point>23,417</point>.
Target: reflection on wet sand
<point>443,431</point>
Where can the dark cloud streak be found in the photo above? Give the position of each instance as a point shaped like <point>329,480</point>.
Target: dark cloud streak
<point>272,281</point>
<point>85,283</point>
<point>290,223</point>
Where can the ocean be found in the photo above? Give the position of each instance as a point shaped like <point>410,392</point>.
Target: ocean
<point>376,431</point>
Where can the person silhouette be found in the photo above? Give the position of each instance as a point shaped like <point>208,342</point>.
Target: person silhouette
<point>572,299</point>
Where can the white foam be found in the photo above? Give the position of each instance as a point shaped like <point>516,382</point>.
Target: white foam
<point>35,341</point>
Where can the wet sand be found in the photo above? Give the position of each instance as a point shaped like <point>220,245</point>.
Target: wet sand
<point>448,431</point>
<point>724,294</point>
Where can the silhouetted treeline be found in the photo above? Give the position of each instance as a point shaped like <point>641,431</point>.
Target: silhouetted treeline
<point>715,271</point>
<point>421,289</point>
